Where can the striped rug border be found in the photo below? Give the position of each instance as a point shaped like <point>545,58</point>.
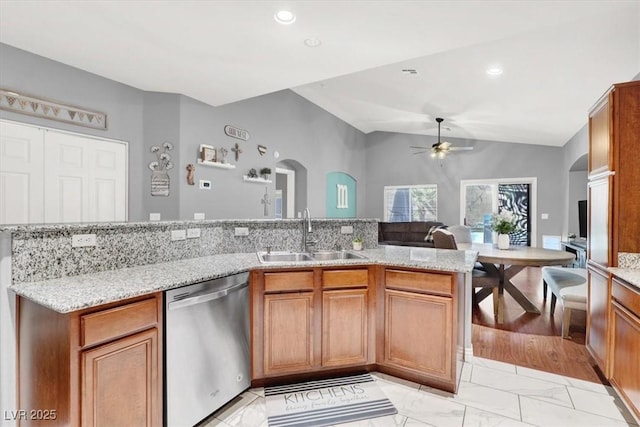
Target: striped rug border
<point>311,385</point>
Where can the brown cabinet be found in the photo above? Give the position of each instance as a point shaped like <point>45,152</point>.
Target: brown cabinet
<point>625,344</point>
<point>100,366</point>
<point>420,325</point>
<point>599,303</point>
<point>614,203</point>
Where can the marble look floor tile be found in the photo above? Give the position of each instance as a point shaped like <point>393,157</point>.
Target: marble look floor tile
<point>394,380</point>
<point>215,423</point>
<point>467,368</point>
<point>493,364</point>
<point>488,399</point>
<point>521,385</point>
<point>253,415</point>
<point>410,422</point>
<point>597,403</point>
<point>236,405</point>
<point>477,418</point>
<point>424,407</point>
<point>574,382</point>
<point>258,391</point>
<point>546,414</point>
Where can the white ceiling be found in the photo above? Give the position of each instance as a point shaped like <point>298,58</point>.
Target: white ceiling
<point>558,56</point>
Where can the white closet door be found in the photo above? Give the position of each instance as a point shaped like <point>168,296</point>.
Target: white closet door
<point>21,174</point>
<point>85,179</point>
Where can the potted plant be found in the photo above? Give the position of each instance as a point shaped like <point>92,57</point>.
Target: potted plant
<point>265,172</point>
<point>357,243</point>
<point>503,223</point>
<point>571,236</point>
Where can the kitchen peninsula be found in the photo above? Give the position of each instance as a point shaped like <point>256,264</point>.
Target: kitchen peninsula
<point>131,264</point>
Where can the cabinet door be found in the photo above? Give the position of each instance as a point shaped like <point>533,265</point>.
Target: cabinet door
<point>597,317</point>
<point>625,348</point>
<point>599,137</point>
<point>599,221</point>
<point>344,327</point>
<point>120,382</point>
<point>288,333</point>
<point>418,333</point>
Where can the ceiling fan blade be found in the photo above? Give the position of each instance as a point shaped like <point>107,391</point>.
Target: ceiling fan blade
<point>424,148</point>
<point>445,145</point>
<point>460,148</point>
<point>420,152</point>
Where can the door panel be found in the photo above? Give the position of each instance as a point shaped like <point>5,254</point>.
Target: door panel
<point>21,174</point>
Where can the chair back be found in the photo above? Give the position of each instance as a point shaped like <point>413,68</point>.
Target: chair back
<point>461,232</point>
<point>444,239</point>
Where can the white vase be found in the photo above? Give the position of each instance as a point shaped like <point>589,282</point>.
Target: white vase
<point>503,241</point>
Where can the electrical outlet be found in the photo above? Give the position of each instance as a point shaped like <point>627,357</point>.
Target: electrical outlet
<point>154,217</point>
<point>178,235</point>
<point>198,215</point>
<point>83,240</point>
<point>242,231</point>
<point>193,233</point>
<point>346,229</point>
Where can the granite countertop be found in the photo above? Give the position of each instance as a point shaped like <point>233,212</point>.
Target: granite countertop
<point>73,293</point>
<point>631,275</point>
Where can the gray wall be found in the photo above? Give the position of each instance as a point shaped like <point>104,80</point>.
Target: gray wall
<point>35,75</point>
<point>390,162</point>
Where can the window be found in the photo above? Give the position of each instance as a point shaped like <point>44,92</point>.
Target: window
<point>411,203</point>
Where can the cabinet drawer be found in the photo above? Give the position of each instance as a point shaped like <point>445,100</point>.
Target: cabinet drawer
<point>421,282</point>
<point>345,278</point>
<point>288,281</point>
<point>626,296</point>
<point>117,322</point>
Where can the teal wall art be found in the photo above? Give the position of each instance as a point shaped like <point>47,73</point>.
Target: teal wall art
<point>341,195</point>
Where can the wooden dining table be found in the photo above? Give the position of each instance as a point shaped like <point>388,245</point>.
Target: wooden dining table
<point>503,264</point>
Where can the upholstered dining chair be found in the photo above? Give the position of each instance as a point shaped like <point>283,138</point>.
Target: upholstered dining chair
<point>445,239</point>
<point>462,233</point>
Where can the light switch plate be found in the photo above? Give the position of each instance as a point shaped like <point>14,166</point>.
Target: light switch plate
<point>83,240</point>
<point>178,235</point>
<point>154,217</point>
<point>346,229</point>
<point>198,215</point>
<point>544,216</point>
<point>242,231</point>
<point>193,233</point>
<point>205,184</point>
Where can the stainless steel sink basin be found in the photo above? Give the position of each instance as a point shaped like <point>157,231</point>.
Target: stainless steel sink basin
<point>335,255</point>
<point>265,257</point>
<point>275,257</point>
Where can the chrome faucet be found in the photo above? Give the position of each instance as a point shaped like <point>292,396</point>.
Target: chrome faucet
<point>306,229</point>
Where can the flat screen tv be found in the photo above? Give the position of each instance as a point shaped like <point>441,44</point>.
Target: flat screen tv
<point>582,218</point>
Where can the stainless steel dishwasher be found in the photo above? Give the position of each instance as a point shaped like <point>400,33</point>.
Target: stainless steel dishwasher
<point>206,347</point>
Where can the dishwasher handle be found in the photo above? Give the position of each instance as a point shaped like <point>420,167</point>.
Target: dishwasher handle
<point>205,297</point>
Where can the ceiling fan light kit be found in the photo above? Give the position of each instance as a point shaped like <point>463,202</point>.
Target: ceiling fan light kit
<point>440,149</point>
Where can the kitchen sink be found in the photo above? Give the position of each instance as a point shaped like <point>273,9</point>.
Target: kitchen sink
<point>273,257</point>
<point>335,255</point>
<point>266,257</point>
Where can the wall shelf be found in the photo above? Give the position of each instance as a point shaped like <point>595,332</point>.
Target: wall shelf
<point>216,164</point>
<point>256,180</point>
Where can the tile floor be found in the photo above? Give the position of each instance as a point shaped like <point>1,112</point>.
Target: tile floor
<point>490,394</point>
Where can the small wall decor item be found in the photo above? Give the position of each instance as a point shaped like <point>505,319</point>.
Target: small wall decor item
<point>50,109</point>
<point>262,149</point>
<point>234,132</point>
<point>208,153</point>
<point>190,170</point>
<point>265,201</point>
<point>237,150</point>
<point>265,172</point>
<point>252,173</point>
<point>222,155</point>
<point>159,168</point>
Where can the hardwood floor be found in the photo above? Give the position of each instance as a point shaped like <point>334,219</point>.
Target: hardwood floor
<point>533,340</point>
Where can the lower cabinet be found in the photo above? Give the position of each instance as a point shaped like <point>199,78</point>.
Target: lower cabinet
<point>599,305</point>
<point>625,344</point>
<point>399,321</point>
<point>100,366</point>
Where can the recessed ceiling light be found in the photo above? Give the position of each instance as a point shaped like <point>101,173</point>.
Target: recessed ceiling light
<point>284,17</point>
<point>494,70</point>
<point>312,42</point>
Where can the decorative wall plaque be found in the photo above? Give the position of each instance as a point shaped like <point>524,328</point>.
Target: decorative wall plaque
<point>234,132</point>
<point>50,109</point>
<point>159,169</point>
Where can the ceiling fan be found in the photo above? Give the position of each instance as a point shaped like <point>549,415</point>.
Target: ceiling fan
<point>440,149</point>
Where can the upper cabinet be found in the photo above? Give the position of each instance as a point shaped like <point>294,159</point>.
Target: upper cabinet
<point>599,140</point>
